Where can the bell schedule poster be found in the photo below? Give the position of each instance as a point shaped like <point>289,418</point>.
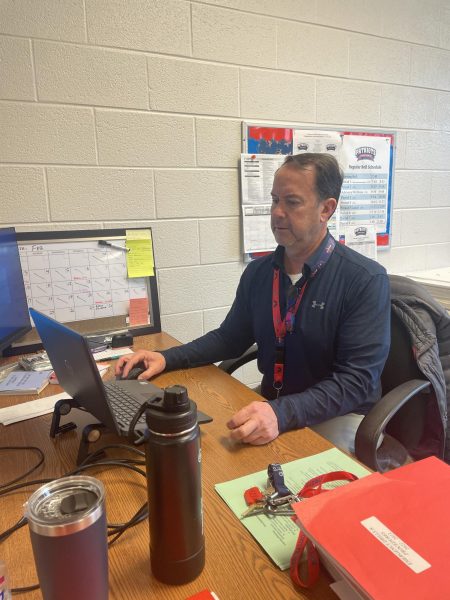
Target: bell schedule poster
<point>366,159</point>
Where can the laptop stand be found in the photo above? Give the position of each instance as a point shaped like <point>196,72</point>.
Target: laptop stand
<point>90,434</point>
<point>62,408</point>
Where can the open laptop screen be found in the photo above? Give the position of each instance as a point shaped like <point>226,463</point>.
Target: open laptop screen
<point>74,366</point>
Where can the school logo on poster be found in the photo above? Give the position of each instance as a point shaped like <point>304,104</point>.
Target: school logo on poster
<point>365,153</point>
<point>361,231</point>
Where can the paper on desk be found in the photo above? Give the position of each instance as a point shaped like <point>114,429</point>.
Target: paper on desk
<point>278,535</point>
<point>36,408</point>
<point>344,591</point>
<point>111,353</point>
<point>31,409</point>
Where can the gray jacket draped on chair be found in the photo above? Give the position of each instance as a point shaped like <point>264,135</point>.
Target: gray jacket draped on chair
<point>428,325</point>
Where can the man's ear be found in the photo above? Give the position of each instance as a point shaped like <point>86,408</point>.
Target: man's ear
<point>328,207</point>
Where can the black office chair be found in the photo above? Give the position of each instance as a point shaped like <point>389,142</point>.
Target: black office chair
<point>397,430</point>
<point>394,428</point>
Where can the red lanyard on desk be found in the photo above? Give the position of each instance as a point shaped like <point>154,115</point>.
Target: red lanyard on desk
<point>277,499</point>
<point>281,326</point>
<point>312,488</point>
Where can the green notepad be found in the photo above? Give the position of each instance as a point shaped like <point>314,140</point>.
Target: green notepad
<point>278,535</point>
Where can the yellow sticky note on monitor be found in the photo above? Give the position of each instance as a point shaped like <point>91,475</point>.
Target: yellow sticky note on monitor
<point>140,253</point>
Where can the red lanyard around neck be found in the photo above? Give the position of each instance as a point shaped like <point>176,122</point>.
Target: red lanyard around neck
<point>281,326</point>
<point>287,324</point>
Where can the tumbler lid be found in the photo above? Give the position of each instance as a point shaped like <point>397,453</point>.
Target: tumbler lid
<point>65,506</point>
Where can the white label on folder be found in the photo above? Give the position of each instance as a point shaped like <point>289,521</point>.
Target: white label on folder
<point>397,546</point>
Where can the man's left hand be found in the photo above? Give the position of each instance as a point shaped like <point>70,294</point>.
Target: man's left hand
<point>254,424</point>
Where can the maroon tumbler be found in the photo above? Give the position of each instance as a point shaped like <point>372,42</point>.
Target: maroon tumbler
<point>67,523</point>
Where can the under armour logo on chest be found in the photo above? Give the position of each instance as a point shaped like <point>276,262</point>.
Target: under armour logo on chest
<point>319,305</point>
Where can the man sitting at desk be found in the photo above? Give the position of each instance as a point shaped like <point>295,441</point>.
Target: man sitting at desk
<point>319,312</point>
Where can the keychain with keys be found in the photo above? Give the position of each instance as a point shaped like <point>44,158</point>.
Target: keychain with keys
<point>277,498</point>
<point>276,501</point>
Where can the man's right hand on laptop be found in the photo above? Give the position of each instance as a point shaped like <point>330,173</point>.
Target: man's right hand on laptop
<point>154,363</point>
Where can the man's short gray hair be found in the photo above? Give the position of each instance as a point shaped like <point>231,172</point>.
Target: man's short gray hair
<point>329,176</point>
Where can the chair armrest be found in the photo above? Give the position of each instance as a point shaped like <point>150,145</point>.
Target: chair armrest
<point>230,365</point>
<point>374,423</point>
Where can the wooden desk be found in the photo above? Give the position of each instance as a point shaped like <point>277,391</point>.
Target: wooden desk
<point>236,566</point>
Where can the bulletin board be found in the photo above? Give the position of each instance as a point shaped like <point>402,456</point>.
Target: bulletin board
<point>82,279</point>
<point>365,157</point>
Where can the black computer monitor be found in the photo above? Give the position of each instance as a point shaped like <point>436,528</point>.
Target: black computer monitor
<point>14,317</point>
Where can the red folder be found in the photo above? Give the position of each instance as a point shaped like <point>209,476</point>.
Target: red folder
<point>389,535</point>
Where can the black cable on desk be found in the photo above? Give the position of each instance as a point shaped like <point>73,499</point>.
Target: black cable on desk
<point>18,486</point>
<point>21,590</point>
<point>115,530</point>
<point>33,468</point>
<point>93,455</point>
<point>118,530</point>
<point>5,535</point>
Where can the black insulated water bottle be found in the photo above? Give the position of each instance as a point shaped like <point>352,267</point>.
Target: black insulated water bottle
<point>173,455</point>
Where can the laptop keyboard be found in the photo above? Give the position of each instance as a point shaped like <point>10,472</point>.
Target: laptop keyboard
<point>123,404</point>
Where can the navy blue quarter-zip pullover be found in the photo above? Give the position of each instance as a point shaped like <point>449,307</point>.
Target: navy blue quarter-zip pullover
<point>337,349</point>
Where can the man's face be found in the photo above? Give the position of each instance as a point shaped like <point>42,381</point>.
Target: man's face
<point>298,219</point>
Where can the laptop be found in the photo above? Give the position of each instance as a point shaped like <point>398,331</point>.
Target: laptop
<point>113,403</point>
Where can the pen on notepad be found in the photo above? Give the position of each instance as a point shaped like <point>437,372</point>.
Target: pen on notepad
<point>105,243</point>
<point>109,358</point>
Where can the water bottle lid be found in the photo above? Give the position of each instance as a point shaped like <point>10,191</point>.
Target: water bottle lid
<point>174,414</point>
<point>65,506</point>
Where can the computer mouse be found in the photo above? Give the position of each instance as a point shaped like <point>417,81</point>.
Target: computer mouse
<point>136,371</point>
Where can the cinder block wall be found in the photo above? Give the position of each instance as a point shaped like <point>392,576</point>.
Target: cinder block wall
<point>128,112</point>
